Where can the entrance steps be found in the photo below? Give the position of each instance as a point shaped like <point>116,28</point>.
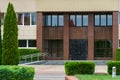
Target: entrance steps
<point>61,62</point>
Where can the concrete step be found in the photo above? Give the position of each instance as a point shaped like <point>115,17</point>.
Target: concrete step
<point>61,62</point>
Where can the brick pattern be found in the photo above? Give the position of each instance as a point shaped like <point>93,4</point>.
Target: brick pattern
<point>78,32</point>
<point>103,33</point>
<point>115,33</point>
<point>39,31</point>
<point>90,37</point>
<point>53,33</point>
<point>66,37</point>
<point>66,33</point>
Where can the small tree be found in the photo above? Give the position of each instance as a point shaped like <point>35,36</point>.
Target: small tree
<point>10,53</point>
<point>0,41</point>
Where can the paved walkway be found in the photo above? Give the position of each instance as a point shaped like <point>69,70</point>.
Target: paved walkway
<point>57,72</point>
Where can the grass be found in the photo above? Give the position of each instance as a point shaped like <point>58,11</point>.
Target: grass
<point>97,77</point>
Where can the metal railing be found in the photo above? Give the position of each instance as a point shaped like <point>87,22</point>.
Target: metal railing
<point>33,57</point>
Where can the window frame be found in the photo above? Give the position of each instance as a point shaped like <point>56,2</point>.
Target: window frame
<point>51,25</point>
<point>27,43</point>
<point>100,25</point>
<point>80,21</point>
<point>30,17</point>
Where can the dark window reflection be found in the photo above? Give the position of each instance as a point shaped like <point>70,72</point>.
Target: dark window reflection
<point>20,18</point>
<point>22,43</point>
<point>72,20</point>
<point>26,19</point>
<point>31,43</point>
<point>33,18</point>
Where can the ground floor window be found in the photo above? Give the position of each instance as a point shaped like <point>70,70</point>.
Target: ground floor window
<point>27,43</point>
<point>54,48</point>
<point>78,49</point>
<point>103,48</point>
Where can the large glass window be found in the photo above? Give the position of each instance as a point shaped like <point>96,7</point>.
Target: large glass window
<point>78,20</point>
<point>27,43</point>
<point>54,48</point>
<point>53,20</point>
<point>26,18</point>
<point>103,48</point>
<point>103,20</point>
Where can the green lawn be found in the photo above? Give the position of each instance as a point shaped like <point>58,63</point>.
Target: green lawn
<point>97,77</point>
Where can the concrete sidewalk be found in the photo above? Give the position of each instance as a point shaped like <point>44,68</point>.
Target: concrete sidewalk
<point>57,72</point>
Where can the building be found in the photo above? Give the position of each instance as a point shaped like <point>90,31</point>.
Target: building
<point>68,29</point>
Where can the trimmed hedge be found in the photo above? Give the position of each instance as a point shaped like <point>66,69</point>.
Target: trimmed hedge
<point>110,64</point>
<point>28,51</point>
<point>16,73</point>
<point>118,54</point>
<point>72,68</point>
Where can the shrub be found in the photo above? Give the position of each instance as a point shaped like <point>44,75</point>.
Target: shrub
<point>72,68</point>
<point>110,64</point>
<point>28,51</point>
<point>118,55</point>
<point>16,73</point>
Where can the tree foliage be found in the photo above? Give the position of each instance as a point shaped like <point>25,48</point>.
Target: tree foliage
<point>10,53</point>
<point>0,40</point>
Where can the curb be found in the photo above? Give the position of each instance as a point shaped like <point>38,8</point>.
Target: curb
<point>70,78</point>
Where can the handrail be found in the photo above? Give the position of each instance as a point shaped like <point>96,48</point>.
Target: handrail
<point>31,56</point>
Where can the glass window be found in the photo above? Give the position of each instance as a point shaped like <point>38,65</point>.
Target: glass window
<point>33,18</point>
<point>72,20</point>
<point>20,18</point>
<point>22,43</point>
<point>103,48</point>
<point>97,20</point>
<point>78,20</point>
<point>48,20</point>
<point>31,43</point>
<point>61,20</point>
<point>54,20</point>
<point>2,18</point>
<point>85,20</point>
<point>103,20</point>
<point>109,20</point>
<point>119,17</point>
<point>26,18</point>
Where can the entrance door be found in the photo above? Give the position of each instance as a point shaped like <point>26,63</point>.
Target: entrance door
<point>78,49</point>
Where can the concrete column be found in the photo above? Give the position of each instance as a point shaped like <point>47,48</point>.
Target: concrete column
<point>91,37</point>
<point>115,33</point>
<point>66,37</point>
<point>39,31</point>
